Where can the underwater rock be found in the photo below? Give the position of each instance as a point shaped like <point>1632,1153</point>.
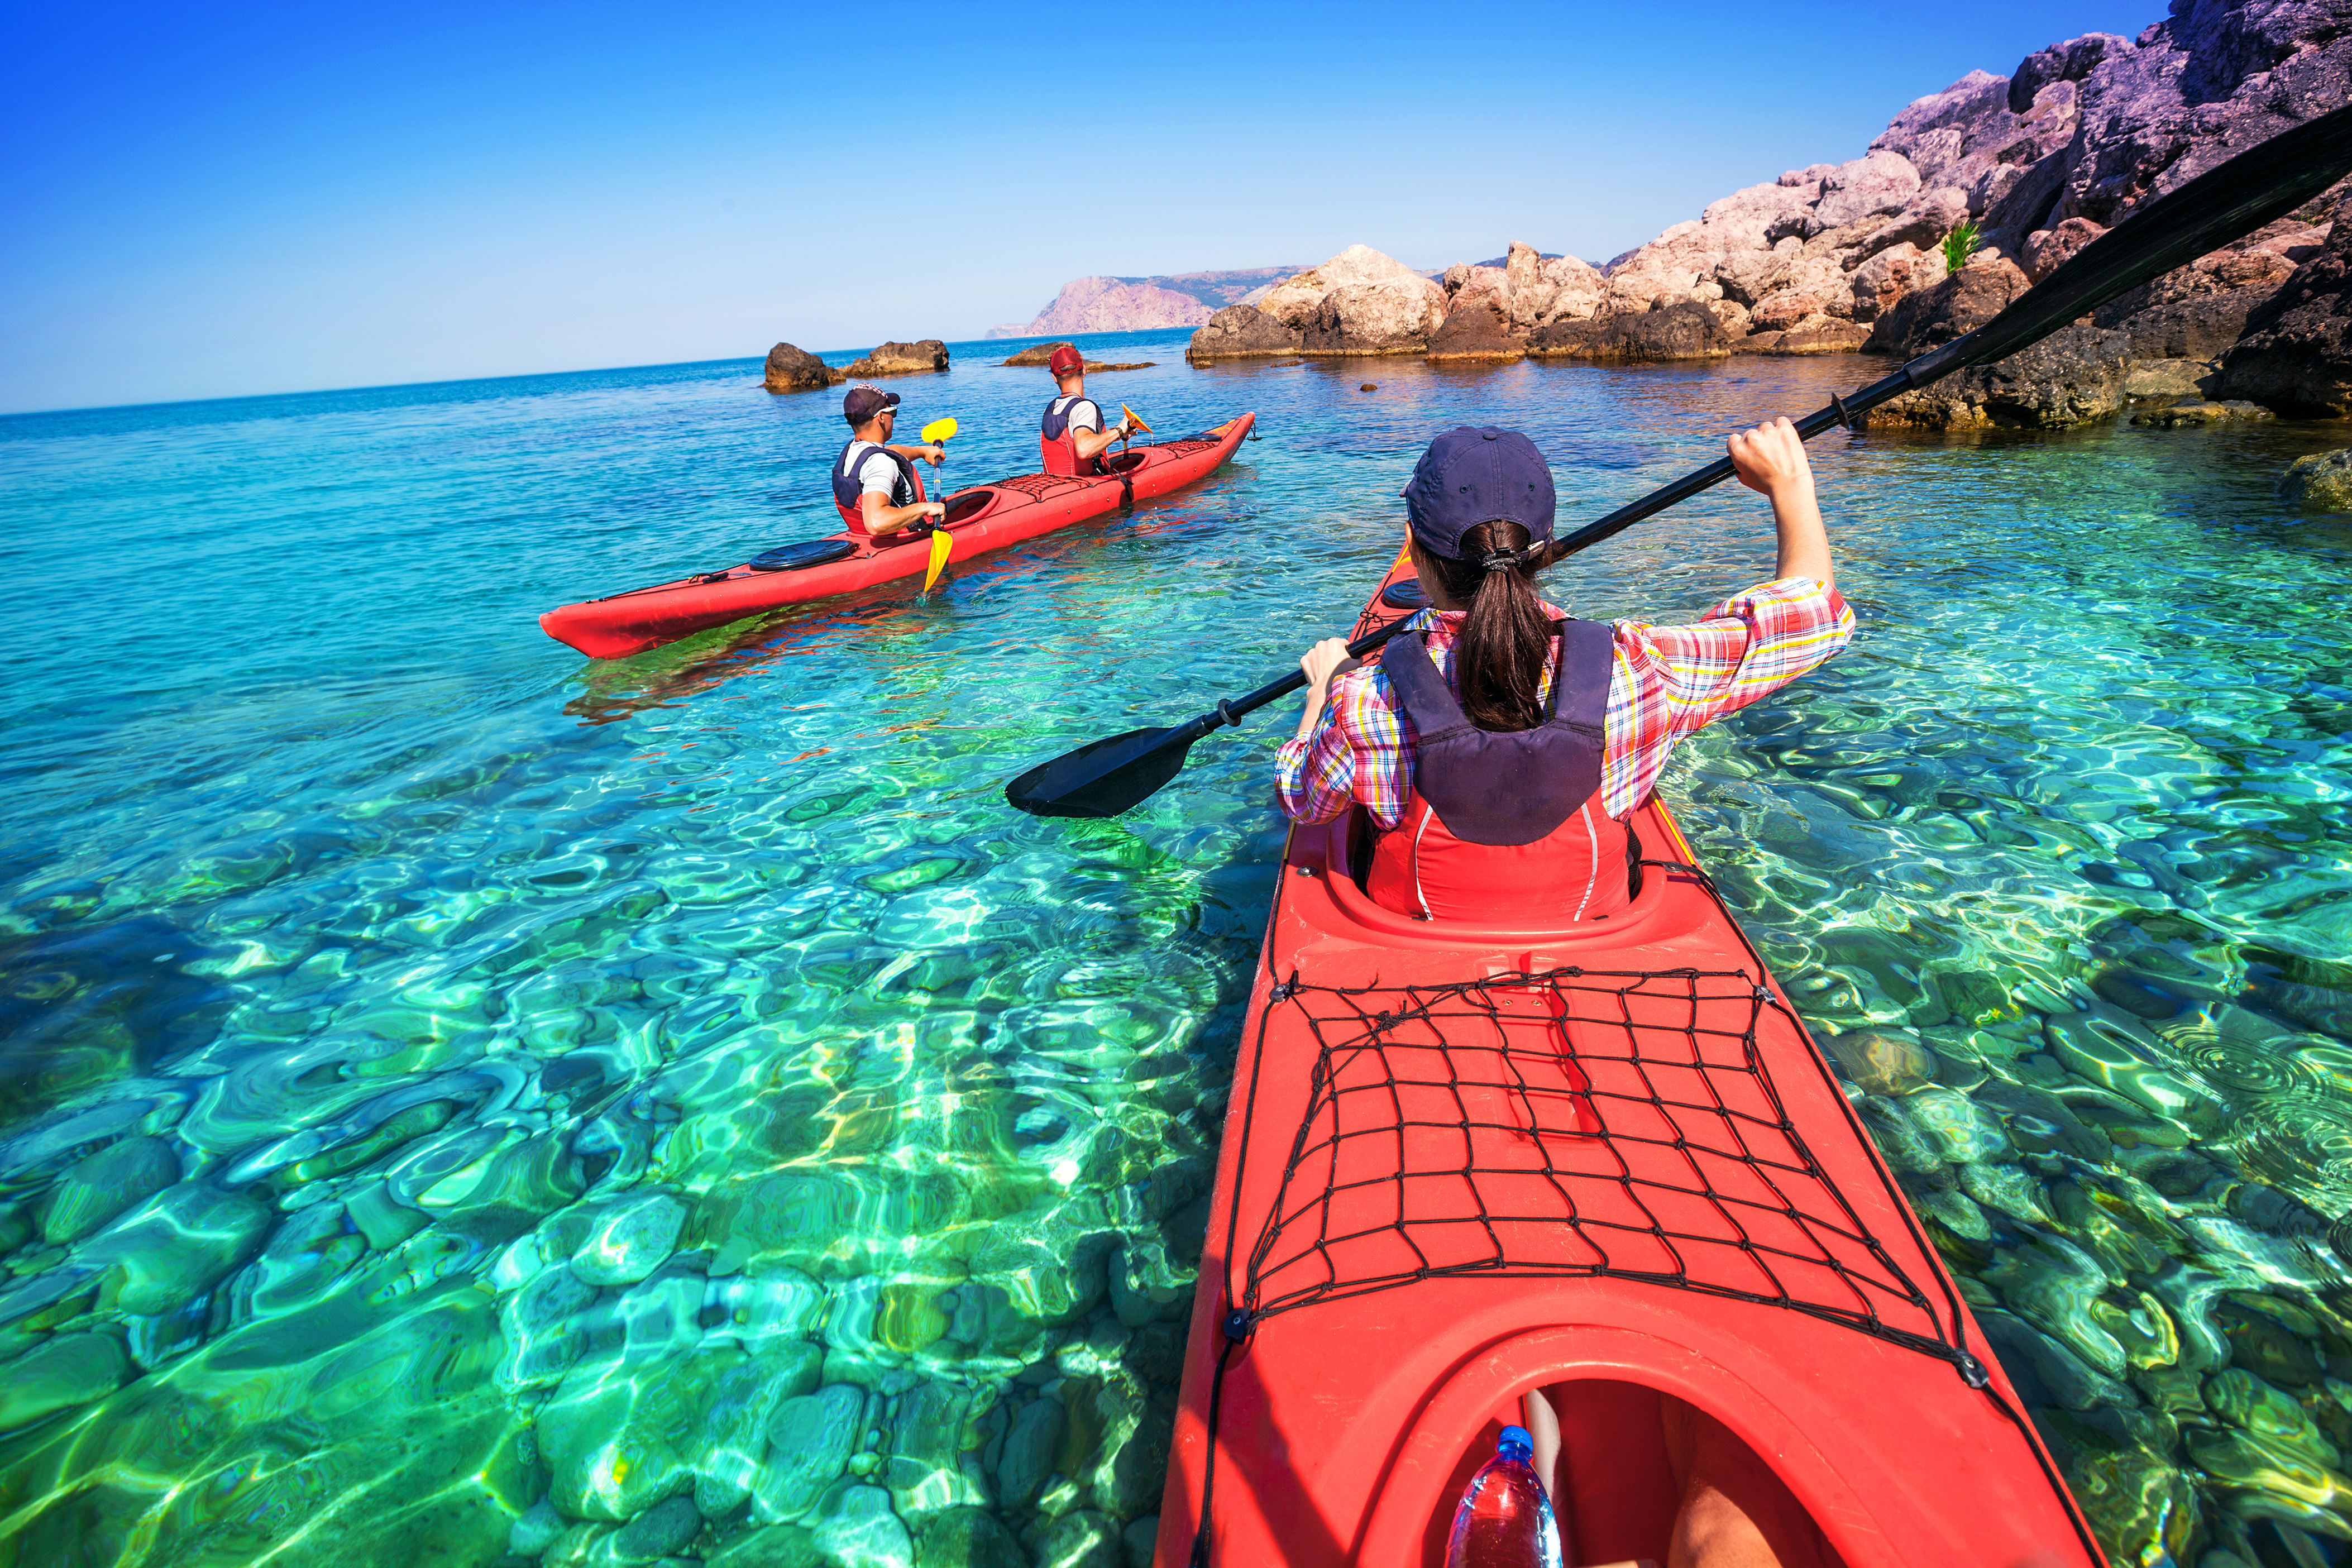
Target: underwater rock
<point>666,1527</point>
<point>2038,1123</point>
<point>544,1328</point>
<point>58,1374</point>
<point>1904,1146</point>
<point>2138,1501</point>
<point>770,1546</point>
<point>630,1240</point>
<point>94,1189</point>
<point>1960,1130</point>
<point>1139,1539</point>
<point>925,1471</point>
<point>2008,1188</point>
<point>534,1530</point>
<point>1955,1211</point>
<point>2322,482</point>
<point>810,1439</point>
<point>1883,1061</point>
<point>2046,1371</point>
<point>2241,1399</point>
<point>858,1529</point>
<point>1030,1446</point>
<point>966,1538</point>
<point>735,1425</point>
<point>770,1303</point>
<point>615,1436</point>
<point>1082,1539</point>
<point>2051,1284</point>
<point>177,1248</point>
<point>2267,1347</point>
<point>2248,1461</point>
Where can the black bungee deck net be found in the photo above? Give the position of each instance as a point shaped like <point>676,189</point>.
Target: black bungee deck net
<point>1561,1123</point>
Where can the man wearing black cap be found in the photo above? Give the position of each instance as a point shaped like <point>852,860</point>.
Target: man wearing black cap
<point>1071,438</point>
<point>873,483</point>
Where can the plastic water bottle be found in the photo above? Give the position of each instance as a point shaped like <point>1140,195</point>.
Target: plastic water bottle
<point>1505,1520</point>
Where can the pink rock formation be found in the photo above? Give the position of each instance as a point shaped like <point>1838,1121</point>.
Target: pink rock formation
<point>1109,305</point>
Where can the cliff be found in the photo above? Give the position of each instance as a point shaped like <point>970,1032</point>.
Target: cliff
<point>1132,304</point>
<point>1839,257</point>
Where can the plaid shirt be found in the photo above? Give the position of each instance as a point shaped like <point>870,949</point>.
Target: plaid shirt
<point>1669,683</point>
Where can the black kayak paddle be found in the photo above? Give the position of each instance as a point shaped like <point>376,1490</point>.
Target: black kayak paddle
<point>2232,199</point>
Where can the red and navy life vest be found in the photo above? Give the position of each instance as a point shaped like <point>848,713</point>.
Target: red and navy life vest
<point>1056,446</point>
<point>906,490</point>
<point>1505,829</point>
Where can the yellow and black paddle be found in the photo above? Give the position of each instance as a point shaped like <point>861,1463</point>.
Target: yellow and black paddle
<point>936,433</point>
<point>1134,426</point>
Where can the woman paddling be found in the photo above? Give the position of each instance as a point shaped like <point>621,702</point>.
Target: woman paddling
<point>1500,743</point>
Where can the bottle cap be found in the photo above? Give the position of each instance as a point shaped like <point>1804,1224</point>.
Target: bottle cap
<point>1517,1435</point>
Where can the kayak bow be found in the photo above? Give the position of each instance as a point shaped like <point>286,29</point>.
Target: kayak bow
<point>1461,1164</point>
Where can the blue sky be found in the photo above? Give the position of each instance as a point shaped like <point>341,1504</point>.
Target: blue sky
<point>205,202</point>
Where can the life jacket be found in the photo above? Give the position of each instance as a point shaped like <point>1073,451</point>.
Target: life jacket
<point>905,491</point>
<point>1056,448</point>
<point>1505,829</point>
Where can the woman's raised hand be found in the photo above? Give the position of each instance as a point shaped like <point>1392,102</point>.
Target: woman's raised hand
<point>1324,660</point>
<point>1770,457</point>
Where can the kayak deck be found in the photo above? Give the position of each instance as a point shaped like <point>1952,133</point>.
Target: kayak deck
<point>980,518</point>
<point>1464,1163</point>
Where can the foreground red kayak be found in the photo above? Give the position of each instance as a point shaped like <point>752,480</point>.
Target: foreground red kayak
<point>1462,1163</point>
<point>986,517</point>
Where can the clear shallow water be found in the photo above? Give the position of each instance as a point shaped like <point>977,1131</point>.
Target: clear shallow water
<point>457,1098</point>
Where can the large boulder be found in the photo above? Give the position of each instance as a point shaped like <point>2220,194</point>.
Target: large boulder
<point>2296,352</point>
<point>1953,308</point>
<point>2075,375</point>
<point>1243,331</point>
<point>1880,184</point>
<point>1476,330</point>
<point>794,369</point>
<point>899,359</point>
<point>1366,276</point>
<point>1684,329</point>
<point>2322,482</point>
<point>1381,318</point>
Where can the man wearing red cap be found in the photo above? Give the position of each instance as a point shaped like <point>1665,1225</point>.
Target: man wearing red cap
<point>1071,439</point>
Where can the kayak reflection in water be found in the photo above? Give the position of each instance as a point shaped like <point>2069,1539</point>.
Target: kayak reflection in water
<point>1499,744</point>
<point>1735,1513</point>
<point>1071,439</point>
<point>873,483</point>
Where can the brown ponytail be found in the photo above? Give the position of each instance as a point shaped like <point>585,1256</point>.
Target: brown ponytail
<point>1506,640</point>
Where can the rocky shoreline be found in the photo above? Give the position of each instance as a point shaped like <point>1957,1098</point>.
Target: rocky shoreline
<point>1841,258</point>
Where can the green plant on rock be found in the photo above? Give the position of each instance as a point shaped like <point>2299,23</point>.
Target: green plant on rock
<point>1962,244</point>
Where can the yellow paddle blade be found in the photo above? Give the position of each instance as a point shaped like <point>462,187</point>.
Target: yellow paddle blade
<point>1139,426</point>
<point>937,430</point>
<point>942,545</point>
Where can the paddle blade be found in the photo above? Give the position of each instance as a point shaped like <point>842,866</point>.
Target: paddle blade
<point>942,546</point>
<point>1138,426</point>
<point>1104,777</point>
<point>937,430</point>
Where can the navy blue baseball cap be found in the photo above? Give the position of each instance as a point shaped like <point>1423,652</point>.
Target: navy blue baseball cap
<point>1469,477</point>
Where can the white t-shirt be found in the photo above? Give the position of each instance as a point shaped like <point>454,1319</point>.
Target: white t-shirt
<point>1085,415</point>
<point>876,474</point>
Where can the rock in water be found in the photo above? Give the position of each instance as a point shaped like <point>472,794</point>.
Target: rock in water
<point>1477,331</point>
<point>178,1247</point>
<point>809,1442</point>
<point>2296,355</point>
<point>94,1189</point>
<point>1081,1539</point>
<point>899,359</point>
<point>58,1374</point>
<point>1685,330</point>
<point>631,1239</point>
<point>662,1529</point>
<point>859,1531</point>
<point>1140,1539</point>
<point>966,1537</point>
<point>792,369</point>
<point>2322,482</point>
<point>1029,1449</point>
<point>1241,331</point>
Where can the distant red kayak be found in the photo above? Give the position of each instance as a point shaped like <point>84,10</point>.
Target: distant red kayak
<point>1461,1161</point>
<point>986,517</point>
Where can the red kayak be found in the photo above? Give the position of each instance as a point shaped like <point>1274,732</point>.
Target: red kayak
<point>986,517</point>
<point>1607,1161</point>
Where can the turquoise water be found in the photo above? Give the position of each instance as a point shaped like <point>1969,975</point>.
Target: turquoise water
<point>464,1105</point>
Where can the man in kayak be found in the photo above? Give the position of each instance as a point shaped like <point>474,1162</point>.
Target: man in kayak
<point>1499,744</point>
<point>1071,439</point>
<point>873,483</point>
